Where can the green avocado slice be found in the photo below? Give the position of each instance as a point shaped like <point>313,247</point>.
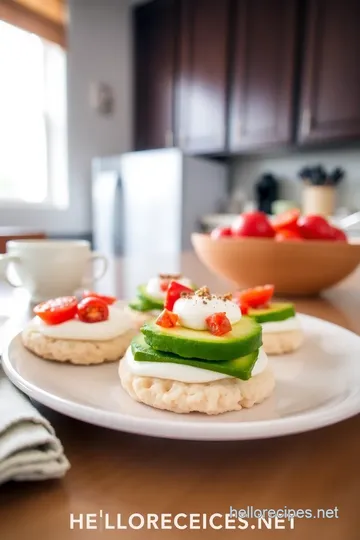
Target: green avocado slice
<point>140,304</point>
<point>278,311</point>
<point>240,368</point>
<point>244,338</point>
<point>142,293</point>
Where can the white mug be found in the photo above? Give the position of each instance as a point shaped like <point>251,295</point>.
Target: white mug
<point>49,268</point>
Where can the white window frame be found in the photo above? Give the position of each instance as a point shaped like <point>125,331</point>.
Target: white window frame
<point>52,201</point>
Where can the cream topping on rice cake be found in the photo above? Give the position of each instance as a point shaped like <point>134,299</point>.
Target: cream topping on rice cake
<point>272,327</point>
<point>118,323</point>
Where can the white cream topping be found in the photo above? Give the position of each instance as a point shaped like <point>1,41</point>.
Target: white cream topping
<point>153,286</point>
<point>182,373</point>
<point>292,323</point>
<point>117,324</point>
<point>194,310</point>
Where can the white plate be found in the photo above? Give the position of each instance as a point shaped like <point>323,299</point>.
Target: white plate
<point>316,386</point>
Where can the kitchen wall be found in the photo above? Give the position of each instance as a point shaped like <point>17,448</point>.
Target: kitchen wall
<point>99,50</point>
<point>246,171</point>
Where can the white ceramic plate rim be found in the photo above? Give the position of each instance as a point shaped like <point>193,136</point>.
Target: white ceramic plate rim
<point>201,430</point>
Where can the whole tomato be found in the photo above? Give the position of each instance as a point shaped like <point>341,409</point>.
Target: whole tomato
<point>288,234</point>
<point>339,235</point>
<point>314,227</point>
<point>253,224</point>
<point>221,232</point>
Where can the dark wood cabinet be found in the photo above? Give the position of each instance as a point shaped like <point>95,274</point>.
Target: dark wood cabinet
<point>330,103</point>
<point>203,75</point>
<point>155,31</point>
<point>262,74</point>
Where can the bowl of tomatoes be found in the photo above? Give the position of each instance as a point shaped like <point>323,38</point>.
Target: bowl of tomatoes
<point>300,255</point>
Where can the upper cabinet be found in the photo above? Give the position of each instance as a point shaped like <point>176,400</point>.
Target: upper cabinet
<point>330,104</point>
<point>203,74</point>
<point>234,76</point>
<point>155,63</point>
<point>263,74</point>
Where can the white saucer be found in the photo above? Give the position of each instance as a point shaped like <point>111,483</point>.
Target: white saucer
<point>316,386</point>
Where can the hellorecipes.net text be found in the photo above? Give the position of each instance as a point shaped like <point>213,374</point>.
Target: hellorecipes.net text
<point>248,518</point>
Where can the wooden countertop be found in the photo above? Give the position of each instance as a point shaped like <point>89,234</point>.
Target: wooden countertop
<point>120,473</point>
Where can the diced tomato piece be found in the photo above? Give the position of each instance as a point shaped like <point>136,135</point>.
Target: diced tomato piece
<point>57,310</point>
<point>286,220</point>
<point>174,293</point>
<point>218,324</point>
<point>164,283</point>
<point>109,300</point>
<point>288,234</point>
<point>167,319</point>
<point>256,297</point>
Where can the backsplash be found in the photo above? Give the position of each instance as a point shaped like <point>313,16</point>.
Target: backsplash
<point>245,172</point>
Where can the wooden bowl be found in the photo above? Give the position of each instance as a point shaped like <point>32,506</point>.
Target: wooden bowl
<point>299,268</point>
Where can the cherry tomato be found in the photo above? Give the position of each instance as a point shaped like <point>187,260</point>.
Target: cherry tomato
<point>339,235</point>
<point>218,324</point>
<point>253,224</point>
<point>93,310</point>
<point>109,300</point>
<point>167,319</point>
<point>287,220</point>
<point>287,234</point>
<point>314,227</point>
<point>256,297</point>
<point>58,310</point>
<point>221,232</point>
<point>173,293</point>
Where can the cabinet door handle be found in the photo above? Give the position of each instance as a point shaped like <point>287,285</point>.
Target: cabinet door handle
<point>169,139</point>
<point>306,121</point>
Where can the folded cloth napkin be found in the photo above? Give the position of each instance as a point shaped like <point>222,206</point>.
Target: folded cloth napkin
<point>29,448</point>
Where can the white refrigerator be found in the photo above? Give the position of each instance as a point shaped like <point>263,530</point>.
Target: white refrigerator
<point>149,202</point>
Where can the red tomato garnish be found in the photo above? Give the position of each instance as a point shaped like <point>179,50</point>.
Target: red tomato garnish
<point>173,293</point>
<point>256,297</point>
<point>244,308</point>
<point>287,234</point>
<point>253,224</point>
<point>109,300</point>
<point>221,232</point>
<point>286,220</point>
<point>167,319</point>
<point>164,283</point>
<point>315,228</point>
<point>218,324</point>
<point>339,235</point>
<point>58,310</point>
<point>92,310</point>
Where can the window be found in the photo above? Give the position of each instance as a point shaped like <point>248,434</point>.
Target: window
<point>33,153</point>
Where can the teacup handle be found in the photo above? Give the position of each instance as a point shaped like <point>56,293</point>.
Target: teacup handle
<point>4,261</point>
<point>95,256</point>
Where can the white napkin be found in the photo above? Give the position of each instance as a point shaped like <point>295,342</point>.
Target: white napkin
<point>29,448</point>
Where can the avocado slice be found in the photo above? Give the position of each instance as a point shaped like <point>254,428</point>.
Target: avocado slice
<point>244,338</point>
<point>142,293</point>
<point>140,304</point>
<point>240,368</point>
<point>278,311</point>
